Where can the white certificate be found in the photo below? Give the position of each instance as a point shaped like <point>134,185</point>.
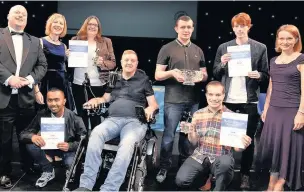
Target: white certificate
<point>52,132</point>
<point>78,53</point>
<point>233,127</point>
<point>240,62</point>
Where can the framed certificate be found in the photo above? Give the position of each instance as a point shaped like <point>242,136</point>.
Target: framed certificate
<point>240,62</point>
<point>233,127</point>
<point>52,132</point>
<point>78,53</point>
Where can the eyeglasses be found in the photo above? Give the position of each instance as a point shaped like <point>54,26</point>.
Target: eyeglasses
<point>93,24</point>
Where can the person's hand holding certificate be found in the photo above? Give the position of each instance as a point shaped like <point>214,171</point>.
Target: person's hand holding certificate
<point>239,63</point>
<point>246,141</point>
<point>38,140</point>
<point>63,146</point>
<point>254,74</point>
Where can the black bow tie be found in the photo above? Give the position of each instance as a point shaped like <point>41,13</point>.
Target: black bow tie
<point>16,33</point>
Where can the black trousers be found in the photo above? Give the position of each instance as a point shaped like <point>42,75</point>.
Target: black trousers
<point>79,97</point>
<point>10,117</point>
<point>194,174</point>
<point>253,118</point>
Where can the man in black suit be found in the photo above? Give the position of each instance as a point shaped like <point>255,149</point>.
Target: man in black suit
<point>22,64</point>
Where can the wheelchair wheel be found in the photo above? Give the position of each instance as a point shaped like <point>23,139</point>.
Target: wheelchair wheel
<point>151,157</point>
<point>139,180</point>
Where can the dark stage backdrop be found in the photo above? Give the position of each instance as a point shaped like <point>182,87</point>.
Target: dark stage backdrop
<point>38,12</point>
<point>214,23</point>
<point>213,26</point>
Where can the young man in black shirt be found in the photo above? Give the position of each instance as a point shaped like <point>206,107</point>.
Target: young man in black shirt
<point>172,59</point>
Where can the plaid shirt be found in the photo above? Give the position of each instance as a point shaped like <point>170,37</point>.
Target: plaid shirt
<point>208,128</point>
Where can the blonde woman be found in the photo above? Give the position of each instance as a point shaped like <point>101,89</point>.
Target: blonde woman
<point>55,53</point>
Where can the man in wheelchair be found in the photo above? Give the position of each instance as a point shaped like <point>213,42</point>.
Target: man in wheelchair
<point>74,130</point>
<point>133,89</point>
<point>209,157</point>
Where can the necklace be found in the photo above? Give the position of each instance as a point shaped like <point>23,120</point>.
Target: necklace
<point>54,40</point>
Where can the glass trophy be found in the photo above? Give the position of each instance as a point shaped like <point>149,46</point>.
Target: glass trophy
<point>191,76</point>
<point>95,59</point>
<point>198,76</point>
<point>103,74</point>
<point>188,77</point>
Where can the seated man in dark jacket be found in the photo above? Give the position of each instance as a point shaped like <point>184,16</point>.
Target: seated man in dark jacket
<point>74,129</point>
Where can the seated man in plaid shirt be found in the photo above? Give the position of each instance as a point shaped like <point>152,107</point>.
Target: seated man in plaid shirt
<point>209,157</point>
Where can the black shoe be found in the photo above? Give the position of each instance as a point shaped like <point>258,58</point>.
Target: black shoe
<point>5,182</point>
<point>82,189</point>
<point>245,184</point>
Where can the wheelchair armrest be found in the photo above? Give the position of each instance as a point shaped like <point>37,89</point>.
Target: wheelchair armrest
<point>140,114</point>
<point>83,139</point>
<point>101,110</point>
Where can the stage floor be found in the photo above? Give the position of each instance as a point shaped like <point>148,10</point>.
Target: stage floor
<point>26,182</point>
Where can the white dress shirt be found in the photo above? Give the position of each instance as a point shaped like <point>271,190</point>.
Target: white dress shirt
<point>18,46</point>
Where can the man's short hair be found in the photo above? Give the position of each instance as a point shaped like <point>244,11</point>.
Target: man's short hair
<point>213,84</point>
<point>183,18</point>
<point>54,89</point>
<point>129,51</point>
<point>241,19</point>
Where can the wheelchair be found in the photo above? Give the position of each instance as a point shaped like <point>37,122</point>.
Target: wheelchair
<point>143,160</point>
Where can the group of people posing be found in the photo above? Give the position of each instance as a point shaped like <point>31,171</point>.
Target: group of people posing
<point>34,75</point>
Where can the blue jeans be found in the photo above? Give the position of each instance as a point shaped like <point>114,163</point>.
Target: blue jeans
<point>39,156</point>
<point>130,131</point>
<point>172,116</point>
